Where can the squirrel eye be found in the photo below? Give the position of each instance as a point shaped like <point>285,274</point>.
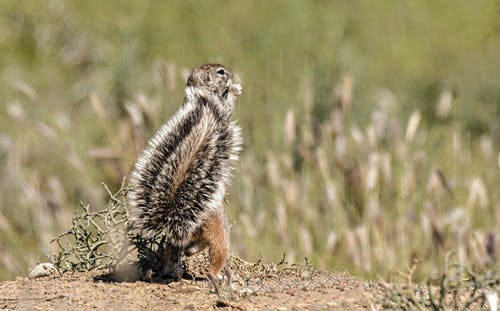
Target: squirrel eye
<point>221,71</point>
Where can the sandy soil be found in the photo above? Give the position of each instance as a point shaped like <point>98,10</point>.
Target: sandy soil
<point>254,287</point>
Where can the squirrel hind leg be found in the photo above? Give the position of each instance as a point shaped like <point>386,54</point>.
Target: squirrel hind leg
<point>216,235</point>
<point>195,247</point>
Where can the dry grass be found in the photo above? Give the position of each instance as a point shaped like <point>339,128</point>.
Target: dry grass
<point>103,241</point>
<point>370,197</point>
<point>459,288</point>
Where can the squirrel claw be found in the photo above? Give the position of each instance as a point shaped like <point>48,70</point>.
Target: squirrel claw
<point>236,89</point>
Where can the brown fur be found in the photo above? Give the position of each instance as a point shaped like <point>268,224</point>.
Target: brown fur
<point>213,234</point>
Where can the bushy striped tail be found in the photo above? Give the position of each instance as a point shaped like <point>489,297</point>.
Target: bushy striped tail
<point>180,178</point>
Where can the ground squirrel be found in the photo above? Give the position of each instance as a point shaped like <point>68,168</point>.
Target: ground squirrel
<point>178,183</point>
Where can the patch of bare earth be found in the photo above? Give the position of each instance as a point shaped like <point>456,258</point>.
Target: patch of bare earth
<point>254,287</point>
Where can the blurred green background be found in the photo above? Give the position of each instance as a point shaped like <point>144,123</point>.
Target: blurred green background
<point>371,128</point>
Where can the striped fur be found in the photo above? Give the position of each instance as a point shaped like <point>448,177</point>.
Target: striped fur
<point>180,178</point>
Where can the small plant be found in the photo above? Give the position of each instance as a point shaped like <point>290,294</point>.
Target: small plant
<point>105,239</point>
<point>459,288</point>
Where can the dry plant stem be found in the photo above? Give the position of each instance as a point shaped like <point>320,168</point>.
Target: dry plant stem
<point>459,288</point>
<point>96,240</point>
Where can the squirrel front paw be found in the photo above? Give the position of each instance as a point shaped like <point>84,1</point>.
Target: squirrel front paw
<point>236,89</point>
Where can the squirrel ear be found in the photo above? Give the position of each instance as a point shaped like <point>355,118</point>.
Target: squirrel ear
<point>190,81</point>
<point>206,76</point>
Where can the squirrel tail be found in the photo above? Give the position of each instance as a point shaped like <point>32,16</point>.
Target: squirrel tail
<point>179,180</point>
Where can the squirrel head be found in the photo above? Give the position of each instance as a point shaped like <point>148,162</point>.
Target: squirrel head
<point>213,78</point>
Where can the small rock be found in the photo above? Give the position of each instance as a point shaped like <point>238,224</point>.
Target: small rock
<point>43,269</point>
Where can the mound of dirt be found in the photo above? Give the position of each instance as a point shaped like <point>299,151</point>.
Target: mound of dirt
<point>255,286</point>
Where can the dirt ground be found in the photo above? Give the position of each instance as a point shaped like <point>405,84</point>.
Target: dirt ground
<point>254,287</point>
